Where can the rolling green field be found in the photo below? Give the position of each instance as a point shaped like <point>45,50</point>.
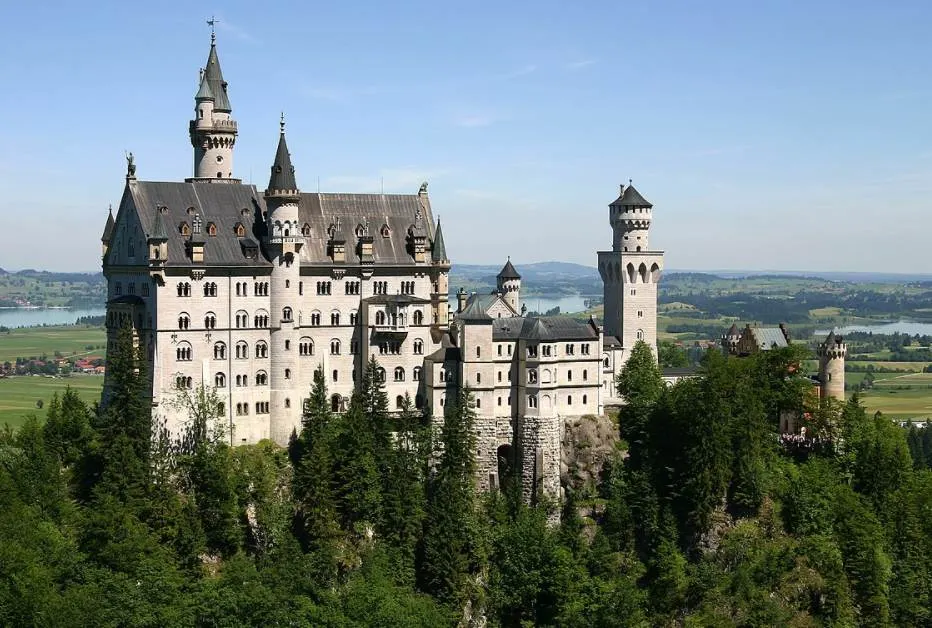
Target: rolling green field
<point>18,395</point>
<point>36,341</point>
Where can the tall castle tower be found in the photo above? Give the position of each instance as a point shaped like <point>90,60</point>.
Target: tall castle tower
<point>832,354</point>
<point>283,243</point>
<point>440,279</point>
<point>213,130</point>
<point>509,286</point>
<point>630,272</point>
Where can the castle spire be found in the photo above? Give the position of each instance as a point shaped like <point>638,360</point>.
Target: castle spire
<point>214,77</point>
<point>282,180</point>
<point>438,251</point>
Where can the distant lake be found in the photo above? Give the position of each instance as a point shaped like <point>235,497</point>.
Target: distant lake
<point>567,305</point>
<point>22,317</point>
<point>904,327</point>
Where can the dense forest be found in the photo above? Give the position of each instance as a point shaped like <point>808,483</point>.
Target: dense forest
<point>705,517</point>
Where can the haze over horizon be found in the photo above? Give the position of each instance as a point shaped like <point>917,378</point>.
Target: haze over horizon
<point>766,136</point>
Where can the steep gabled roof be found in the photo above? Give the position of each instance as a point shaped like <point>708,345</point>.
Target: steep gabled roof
<point>630,197</point>
<point>214,77</point>
<point>508,271</point>
<point>474,312</point>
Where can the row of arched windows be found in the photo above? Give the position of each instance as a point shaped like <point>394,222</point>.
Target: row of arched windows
<point>210,289</point>
<point>184,289</point>
<point>262,407</point>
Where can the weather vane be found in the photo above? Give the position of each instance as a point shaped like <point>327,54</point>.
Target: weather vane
<point>211,22</point>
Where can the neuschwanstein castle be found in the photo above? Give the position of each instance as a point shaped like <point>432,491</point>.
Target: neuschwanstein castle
<point>250,291</point>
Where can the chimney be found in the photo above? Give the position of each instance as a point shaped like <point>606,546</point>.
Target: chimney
<point>461,297</point>
<point>786,333</point>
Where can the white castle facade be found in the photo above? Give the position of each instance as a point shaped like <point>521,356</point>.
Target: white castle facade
<point>249,292</point>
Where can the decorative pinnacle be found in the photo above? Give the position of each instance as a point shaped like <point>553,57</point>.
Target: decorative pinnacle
<point>213,34</point>
<point>282,123</point>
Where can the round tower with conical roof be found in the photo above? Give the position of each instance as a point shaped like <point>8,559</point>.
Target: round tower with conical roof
<point>283,242</point>
<point>213,130</point>
<point>832,353</point>
<point>508,283</point>
<point>730,340</point>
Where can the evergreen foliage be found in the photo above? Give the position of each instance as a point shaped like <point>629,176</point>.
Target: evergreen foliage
<point>370,518</point>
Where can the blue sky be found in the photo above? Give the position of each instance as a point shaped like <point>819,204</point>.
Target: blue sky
<point>768,134</point>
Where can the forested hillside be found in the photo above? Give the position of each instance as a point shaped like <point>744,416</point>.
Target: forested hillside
<point>369,519</point>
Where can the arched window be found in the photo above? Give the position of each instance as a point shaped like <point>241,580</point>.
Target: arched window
<point>478,378</point>
<point>305,346</point>
<point>334,347</point>
<point>183,352</point>
<point>336,403</point>
<point>286,314</point>
<point>399,374</point>
<point>569,400</point>
<point>287,373</point>
<point>242,350</point>
<point>287,402</point>
<point>210,320</point>
<point>210,289</point>
<point>416,374</point>
<point>418,317</point>
<point>532,376</point>
<point>352,318</point>
<point>380,374</point>
<point>399,402</point>
<point>640,334</point>
<point>242,319</point>
<point>315,318</point>
<point>380,318</point>
<point>184,321</point>
<point>262,378</point>
<point>478,352</point>
<point>532,401</point>
<point>443,375</point>
<point>605,362</point>
<point>584,399</point>
<point>220,351</point>
<point>262,349</point>
<point>334,318</point>
<point>220,380</point>
<point>336,374</point>
<point>418,346</point>
<point>585,375</point>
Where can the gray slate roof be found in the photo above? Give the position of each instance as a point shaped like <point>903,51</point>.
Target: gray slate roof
<point>544,328</point>
<point>282,177</point>
<point>438,251</point>
<point>203,92</point>
<point>474,312</point>
<point>159,232</point>
<point>508,271</point>
<point>108,228</point>
<point>224,205</point>
<point>631,198</point>
<point>218,87</point>
<point>768,337</point>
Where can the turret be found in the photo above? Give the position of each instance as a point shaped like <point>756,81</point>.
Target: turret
<point>832,353</point>
<point>508,283</point>
<point>730,340</point>
<point>283,243</point>
<point>213,131</point>
<point>440,279</point>
<point>630,217</point>
<point>108,232</point>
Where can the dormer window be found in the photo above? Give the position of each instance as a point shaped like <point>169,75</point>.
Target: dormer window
<point>306,230</point>
<point>197,224</point>
<point>183,229</point>
<point>360,231</point>
<point>240,230</point>
<point>211,229</point>
<point>385,231</point>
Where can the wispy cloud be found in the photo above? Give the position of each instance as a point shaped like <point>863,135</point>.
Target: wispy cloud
<point>522,71</point>
<point>400,179</point>
<point>573,66</point>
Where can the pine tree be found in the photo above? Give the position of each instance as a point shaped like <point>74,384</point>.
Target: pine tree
<point>640,383</point>
<point>312,487</point>
<point>447,552</point>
